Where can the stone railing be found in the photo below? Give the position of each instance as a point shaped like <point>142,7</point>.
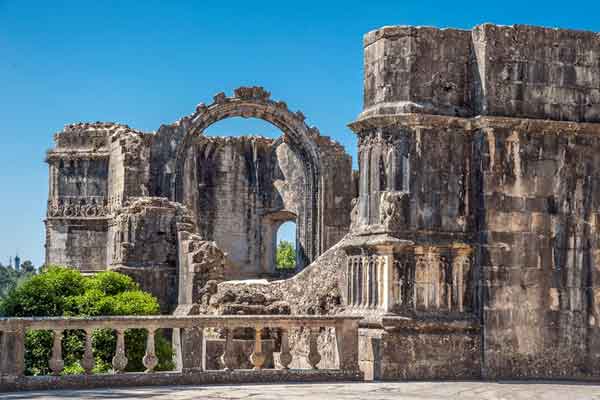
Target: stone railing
<point>189,358</point>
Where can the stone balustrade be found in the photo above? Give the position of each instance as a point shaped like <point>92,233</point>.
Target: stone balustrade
<point>369,282</point>
<point>189,358</point>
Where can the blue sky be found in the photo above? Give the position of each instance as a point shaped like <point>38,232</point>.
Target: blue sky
<point>145,63</point>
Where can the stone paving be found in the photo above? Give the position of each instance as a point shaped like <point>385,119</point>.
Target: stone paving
<point>371,391</point>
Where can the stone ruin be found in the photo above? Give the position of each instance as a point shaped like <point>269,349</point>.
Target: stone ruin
<point>468,239</point>
<point>147,204</point>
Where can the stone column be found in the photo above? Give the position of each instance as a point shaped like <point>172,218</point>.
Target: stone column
<point>189,348</point>
<point>386,255</point>
<point>346,334</point>
<point>12,352</point>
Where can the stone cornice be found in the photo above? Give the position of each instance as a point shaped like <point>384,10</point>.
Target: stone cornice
<point>414,120</point>
<point>56,155</point>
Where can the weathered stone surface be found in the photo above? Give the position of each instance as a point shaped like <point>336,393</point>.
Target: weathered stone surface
<point>517,71</point>
<point>117,197</point>
<point>472,220</point>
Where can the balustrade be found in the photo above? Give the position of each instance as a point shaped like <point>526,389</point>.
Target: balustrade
<point>369,282</point>
<point>12,331</point>
<point>430,280</point>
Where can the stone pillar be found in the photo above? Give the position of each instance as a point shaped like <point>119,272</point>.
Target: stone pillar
<point>347,344</point>
<point>189,347</point>
<point>12,352</point>
<point>386,253</point>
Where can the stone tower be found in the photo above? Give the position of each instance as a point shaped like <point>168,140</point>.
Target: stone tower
<point>476,236</point>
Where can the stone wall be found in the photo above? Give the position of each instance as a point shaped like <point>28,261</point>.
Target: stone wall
<point>111,189</point>
<point>538,241</point>
<point>519,71</point>
<point>78,198</point>
<point>457,147</point>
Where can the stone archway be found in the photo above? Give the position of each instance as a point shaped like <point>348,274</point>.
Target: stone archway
<point>255,102</point>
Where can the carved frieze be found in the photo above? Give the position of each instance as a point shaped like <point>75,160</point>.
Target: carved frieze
<point>78,207</point>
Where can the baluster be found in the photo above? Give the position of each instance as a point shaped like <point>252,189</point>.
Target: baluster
<point>228,358</point>
<point>258,357</point>
<point>376,279</point>
<point>87,362</point>
<point>119,361</point>
<point>349,278</point>
<point>313,351</point>
<point>359,282</point>
<point>355,280</point>
<point>150,360</point>
<point>285,356</point>
<point>56,363</point>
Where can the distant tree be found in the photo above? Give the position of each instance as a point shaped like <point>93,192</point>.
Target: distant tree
<point>27,267</point>
<point>61,291</point>
<point>10,277</point>
<point>286,255</point>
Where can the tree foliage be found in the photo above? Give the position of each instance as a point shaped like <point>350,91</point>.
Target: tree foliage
<point>60,291</point>
<point>286,255</point>
<point>10,277</point>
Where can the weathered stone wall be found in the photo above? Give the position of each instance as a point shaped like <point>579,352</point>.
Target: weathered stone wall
<point>337,186</point>
<point>413,69</point>
<point>519,71</point>
<point>538,241</point>
<point>76,242</point>
<point>78,198</point>
<point>228,184</point>
<point>239,191</point>
<point>533,72</point>
<point>516,194</point>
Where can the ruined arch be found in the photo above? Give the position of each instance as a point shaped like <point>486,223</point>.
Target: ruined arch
<point>255,102</point>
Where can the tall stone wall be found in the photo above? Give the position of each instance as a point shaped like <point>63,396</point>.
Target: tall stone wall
<point>518,71</point>
<point>538,245</point>
<point>79,198</point>
<point>242,189</point>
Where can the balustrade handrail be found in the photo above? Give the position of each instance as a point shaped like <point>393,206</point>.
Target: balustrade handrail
<point>169,321</point>
<point>189,345</point>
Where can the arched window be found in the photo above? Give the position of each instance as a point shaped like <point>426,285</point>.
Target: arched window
<point>285,252</point>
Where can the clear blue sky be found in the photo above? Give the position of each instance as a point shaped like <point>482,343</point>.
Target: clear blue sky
<point>145,63</point>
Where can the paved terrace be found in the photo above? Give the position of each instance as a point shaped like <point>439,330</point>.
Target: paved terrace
<point>371,391</point>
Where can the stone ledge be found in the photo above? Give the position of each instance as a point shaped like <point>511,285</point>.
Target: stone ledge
<point>175,378</point>
<point>470,124</point>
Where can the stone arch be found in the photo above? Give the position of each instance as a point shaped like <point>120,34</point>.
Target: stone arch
<point>255,102</point>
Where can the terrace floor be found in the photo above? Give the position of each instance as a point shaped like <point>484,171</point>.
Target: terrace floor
<point>336,391</point>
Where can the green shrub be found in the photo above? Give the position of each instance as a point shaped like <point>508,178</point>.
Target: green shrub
<point>60,291</point>
<point>285,255</point>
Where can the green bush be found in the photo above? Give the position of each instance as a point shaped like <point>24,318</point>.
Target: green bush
<point>285,255</point>
<point>60,291</point>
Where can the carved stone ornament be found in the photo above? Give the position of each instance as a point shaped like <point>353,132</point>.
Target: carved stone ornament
<point>220,98</point>
<point>391,210</point>
<point>252,92</point>
<point>78,207</point>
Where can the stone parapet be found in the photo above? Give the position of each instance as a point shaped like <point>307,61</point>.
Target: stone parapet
<point>12,331</point>
<point>518,71</point>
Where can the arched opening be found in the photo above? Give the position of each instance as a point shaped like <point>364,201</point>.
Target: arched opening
<point>238,189</point>
<point>240,126</point>
<point>285,251</point>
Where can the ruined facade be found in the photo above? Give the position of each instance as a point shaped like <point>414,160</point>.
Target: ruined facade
<point>117,195</point>
<point>472,241</point>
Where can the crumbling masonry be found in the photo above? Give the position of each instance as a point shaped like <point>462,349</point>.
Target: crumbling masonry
<point>469,237</point>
